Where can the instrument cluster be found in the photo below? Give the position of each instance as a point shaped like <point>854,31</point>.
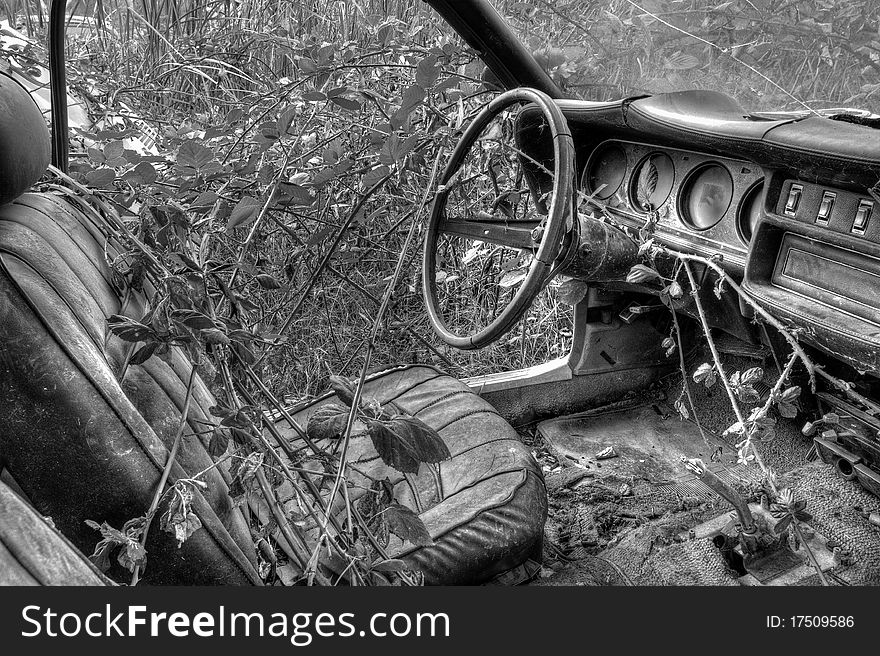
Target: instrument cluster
<point>705,203</point>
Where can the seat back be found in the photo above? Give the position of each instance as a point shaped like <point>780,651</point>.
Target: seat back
<point>24,140</point>
<point>86,437</point>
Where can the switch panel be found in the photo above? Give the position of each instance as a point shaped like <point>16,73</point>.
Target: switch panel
<point>863,213</point>
<point>825,208</point>
<point>794,199</point>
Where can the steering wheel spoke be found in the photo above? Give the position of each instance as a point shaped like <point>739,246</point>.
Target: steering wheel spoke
<point>494,230</point>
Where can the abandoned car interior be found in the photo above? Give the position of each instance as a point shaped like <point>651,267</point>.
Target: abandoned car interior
<point>714,419</point>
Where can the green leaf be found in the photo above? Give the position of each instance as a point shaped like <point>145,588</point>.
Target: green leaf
<point>512,278</point>
<point>752,375</point>
<point>132,555</point>
<point>674,290</point>
<point>267,281</point>
<point>113,150</point>
<point>204,200</point>
<point>391,449</point>
<point>782,525</point>
<point>102,177</point>
<point>647,183</point>
<point>790,394</point>
<point>244,212</point>
<point>803,516</point>
<point>798,505</point>
<point>373,176</point>
<point>143,354</point>
<point>412,97</point>
<point>129,330</point>
<point>705,374</point>
<point>346,103</point>
<point>178,519</point>
<point>143,173</point>
<point>572,291</point>
<point>407,525</point>
<point>193,319</point>
<point>236,419</point>
<point>682,62</point>
<point>405,442</point>
<point>427,72</point>
<point>425,442</point>
<point>747,393</point>
<point>343,389</point>
<point>219,442</point>
<point>787,410</point>
<point>286,118</point>
<point>641,273</point>
<point>328,422</point>
<point>307,65</point>
<point>194,155</point>
<point>215,336</point>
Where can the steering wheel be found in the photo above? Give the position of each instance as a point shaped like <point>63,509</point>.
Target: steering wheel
<point>545,241</point>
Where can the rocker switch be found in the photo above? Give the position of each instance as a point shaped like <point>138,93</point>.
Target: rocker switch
<point>825,208</point>
<point>860,223</point>
<point>794,199</point>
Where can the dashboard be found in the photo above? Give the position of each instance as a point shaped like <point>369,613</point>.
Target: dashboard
<point>788,203</point>
<point>704,203</point>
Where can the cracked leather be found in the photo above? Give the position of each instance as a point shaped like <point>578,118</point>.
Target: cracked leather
<point>82,441</point>
<point>484,508</point>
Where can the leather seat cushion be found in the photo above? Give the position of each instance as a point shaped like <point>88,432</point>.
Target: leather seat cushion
<point>32,552</point>
<point>84,440</point>
<point>484,508</point>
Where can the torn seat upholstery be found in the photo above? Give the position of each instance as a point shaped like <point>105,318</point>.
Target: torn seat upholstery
<point>484,508</point>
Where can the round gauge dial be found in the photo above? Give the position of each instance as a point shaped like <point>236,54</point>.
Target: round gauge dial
<point>651,182</point>
<point>605,171</point>
<point>705,196</point>
<point>749,213</point>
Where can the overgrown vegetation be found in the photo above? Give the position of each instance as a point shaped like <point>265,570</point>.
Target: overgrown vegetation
<point>270,165</point>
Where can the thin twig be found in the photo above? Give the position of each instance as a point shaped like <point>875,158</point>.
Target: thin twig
<point>166,471</point>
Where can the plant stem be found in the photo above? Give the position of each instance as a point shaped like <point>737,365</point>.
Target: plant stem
<point>377,322</point>
<point>166,471</point>
<point>684,379</point>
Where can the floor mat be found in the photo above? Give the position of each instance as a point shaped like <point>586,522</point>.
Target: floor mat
<point>648,446</point>
<point>595,503</point>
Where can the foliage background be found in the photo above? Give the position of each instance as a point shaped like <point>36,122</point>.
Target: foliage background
<point>267,123</point>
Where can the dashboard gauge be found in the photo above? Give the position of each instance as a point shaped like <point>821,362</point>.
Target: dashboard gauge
<point>705,196</point>
<point>605,171</point>
<point>651,182</point>
<point>749,213</point>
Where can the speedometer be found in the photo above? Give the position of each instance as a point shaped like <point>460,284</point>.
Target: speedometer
<point>749,213</point>
<point>605,171</point>
<point>705,196</point>
<point>652,182</point>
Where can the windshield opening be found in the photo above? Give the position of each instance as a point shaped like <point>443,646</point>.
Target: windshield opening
<point>770,55</point>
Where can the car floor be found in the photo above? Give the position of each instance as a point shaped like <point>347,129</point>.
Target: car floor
<point>639,517</point>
